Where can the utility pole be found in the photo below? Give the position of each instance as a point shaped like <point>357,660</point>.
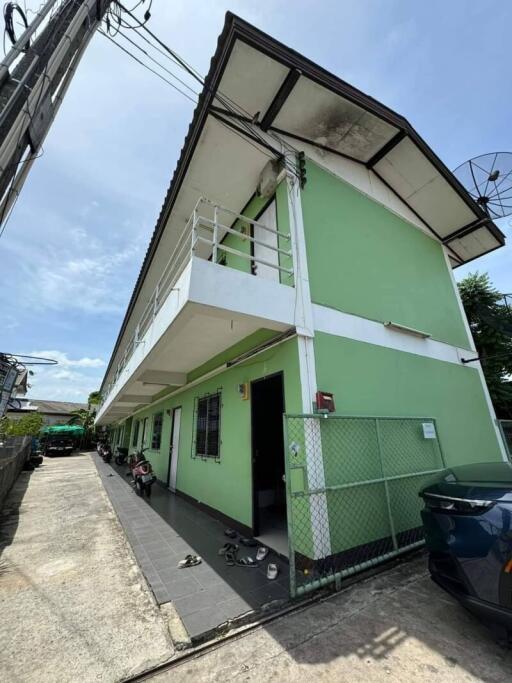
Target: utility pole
<point>34,78</point>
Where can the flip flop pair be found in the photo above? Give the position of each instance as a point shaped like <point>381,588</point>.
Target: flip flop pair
<point>189,561</point>
<point>228,547</point>
<point>232,560</point>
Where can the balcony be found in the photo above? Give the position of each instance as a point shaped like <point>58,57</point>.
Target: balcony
<point>227,277</point>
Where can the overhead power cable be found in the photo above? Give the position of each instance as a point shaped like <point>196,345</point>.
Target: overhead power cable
<point>130,54</point>
<point>185,85</point>
<point>231,106</point>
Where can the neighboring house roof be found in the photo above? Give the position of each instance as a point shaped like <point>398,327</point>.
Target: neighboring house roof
<point>254,80</point>
<point>47,407</point>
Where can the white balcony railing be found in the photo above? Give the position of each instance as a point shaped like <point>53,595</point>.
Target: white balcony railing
<point>203,237</point>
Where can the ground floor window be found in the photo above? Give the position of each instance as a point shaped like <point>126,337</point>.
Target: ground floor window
<point>135,433</point>
<point>157,431</point>
<point>207,426</point>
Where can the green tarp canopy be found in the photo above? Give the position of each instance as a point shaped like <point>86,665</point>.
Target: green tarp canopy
<point>72,430</point>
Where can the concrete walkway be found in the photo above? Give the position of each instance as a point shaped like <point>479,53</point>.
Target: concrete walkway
<point>164,529</point>
<point>397,626</point>
<point>73,603</point>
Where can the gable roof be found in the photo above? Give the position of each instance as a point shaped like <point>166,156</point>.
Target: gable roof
<point>289,95</point>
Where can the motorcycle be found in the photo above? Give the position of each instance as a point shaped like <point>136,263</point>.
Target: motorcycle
<point>121,455</point>
<point>142,473</point>
<point>105,452</point>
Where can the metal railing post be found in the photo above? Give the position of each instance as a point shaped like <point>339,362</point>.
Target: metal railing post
<point>194,232</point>
<point>386,487</point>
<point>289,510</point>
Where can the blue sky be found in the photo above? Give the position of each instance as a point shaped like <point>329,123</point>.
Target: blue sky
<point>75,241</point>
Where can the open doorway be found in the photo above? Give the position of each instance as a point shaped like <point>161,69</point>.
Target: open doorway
<point>269,495</point>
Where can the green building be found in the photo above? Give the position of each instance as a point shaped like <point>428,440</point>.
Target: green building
<point>306,244</point>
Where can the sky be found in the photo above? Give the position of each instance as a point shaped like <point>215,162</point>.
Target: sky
<point>74,244</point>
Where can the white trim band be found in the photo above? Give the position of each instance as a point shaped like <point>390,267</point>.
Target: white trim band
<point>354,327</point>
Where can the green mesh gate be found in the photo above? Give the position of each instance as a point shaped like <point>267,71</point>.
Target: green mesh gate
<point>352,492</point>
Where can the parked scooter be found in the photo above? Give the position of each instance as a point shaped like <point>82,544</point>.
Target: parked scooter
<point>142,473</point>
<point>106,451</point>
<point>121,455</point>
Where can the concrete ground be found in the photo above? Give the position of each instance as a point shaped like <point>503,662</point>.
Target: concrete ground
<point>73,603</point>
<point>397,626</point>
<point>75,607</point>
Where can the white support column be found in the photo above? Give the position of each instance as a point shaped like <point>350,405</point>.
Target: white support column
<point>305,334</point>
<point>477,364</point>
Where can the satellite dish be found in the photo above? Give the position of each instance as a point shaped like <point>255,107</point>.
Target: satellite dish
<point>488,179</point>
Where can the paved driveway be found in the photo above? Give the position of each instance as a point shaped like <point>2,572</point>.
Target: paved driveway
<point>397,626</point>
<point>73,603</point>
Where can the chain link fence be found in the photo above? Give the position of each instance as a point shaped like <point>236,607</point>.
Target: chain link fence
<point>506,431</point>
<point>352,492</point>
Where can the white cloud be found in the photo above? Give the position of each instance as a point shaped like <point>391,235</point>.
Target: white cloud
<point>72,379</point>
<point>63,360</point>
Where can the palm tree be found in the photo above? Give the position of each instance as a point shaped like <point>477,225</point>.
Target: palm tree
<point>94,399</point>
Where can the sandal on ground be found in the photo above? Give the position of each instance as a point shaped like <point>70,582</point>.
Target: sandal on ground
<point>249,542</point>
<point>262,553</point>
<point>272,571</point>
<point>247,562</point>
<point>228,547</point>
<point>230,533</point>
<point>189,561</point>
<point>230,557</point>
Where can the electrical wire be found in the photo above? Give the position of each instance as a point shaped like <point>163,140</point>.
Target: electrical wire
<point>9,9</point>
<point>147,67</point>
<point>222,122</point>
<point>159,64</point>
<point>230,105</point>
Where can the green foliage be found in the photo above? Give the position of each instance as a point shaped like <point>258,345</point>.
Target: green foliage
<point>490,320</point>
<point>27,425</point>
<point>85,418</point>
<point>94,398</point>
<point>82,417</point>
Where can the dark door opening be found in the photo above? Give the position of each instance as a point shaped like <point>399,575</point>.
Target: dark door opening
<point>269,495</point>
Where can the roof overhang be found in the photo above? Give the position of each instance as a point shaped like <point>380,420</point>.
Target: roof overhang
<point>278,92</point>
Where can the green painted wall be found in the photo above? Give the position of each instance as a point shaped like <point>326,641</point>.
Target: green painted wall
<point>224,485</point>
<point>373,380</point>
<point>364,259</point>
<point>252,210</point>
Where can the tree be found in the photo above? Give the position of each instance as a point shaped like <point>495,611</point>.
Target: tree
<point>85,418</point>
<point>27,425</point>
<point>94,398</point>
<point>82,417</point>
<point>490,320</point>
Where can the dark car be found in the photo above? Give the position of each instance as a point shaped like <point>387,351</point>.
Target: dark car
<point>468,532</point>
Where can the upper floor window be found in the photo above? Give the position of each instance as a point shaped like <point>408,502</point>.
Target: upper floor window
<point>156,439</point>
<point>207,427</point>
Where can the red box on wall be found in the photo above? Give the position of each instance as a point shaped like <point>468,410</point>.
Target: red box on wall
<point>325,402</point>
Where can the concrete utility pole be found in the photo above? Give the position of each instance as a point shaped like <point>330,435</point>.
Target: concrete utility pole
<point>34,77</point>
